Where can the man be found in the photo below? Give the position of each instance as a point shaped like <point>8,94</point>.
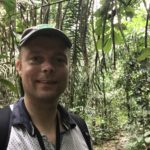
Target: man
<point>38,121</point>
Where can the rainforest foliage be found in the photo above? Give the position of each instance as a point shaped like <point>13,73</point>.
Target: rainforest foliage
<point>109,82</point>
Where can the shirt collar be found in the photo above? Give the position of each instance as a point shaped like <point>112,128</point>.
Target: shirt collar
<point>21,117</point>
<point>67,121</point>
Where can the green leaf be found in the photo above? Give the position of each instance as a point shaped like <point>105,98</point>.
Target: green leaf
<point>147,134</point>
<point>145,54</point>
<point>98,29</point>
<point>3,56</point>
<point>130,11</point>
<point>10,6</point>
<point>9,84</point>
<point>99,44</point>
<point>19,26</point>
<point>118,38</point>
<point>97,13</point>
<point>107,46</point>
<point>139,139</point>
<point>147,140</point>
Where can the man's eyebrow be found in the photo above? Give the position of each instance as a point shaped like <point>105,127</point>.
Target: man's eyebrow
<point>61,54</point>
<point>36,51</point>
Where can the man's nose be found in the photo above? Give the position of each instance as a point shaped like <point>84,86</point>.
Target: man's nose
<point>48,67</point>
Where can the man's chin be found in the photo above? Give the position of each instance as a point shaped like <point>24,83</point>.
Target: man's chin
<point>47,97</point>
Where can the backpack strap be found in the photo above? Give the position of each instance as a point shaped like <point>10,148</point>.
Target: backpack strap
<point>84,129</point>
<point>4,127</point>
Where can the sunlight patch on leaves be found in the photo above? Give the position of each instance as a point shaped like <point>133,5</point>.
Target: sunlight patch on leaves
<point>145,54</point>
<point>8,84</point>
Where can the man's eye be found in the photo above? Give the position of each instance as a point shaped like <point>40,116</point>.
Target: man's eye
<point>61,60</point>
<point>36,59</point>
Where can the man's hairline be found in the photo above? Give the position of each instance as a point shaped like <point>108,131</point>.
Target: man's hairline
<point>25,47</point>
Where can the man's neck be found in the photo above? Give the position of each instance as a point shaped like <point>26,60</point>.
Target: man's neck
<point>42,115</point>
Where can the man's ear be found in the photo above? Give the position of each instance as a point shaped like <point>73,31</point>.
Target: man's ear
<point>18,66</point>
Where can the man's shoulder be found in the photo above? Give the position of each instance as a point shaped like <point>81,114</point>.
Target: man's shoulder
<point>83,128</point>
<point>80,122</point>
<point>71,117</point>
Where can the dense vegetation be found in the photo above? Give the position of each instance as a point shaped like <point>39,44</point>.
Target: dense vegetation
<point>109,82</point>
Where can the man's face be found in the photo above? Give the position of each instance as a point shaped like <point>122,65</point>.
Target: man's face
<point>43,68</point>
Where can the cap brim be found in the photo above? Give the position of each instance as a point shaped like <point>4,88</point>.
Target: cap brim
<point>46,32</point>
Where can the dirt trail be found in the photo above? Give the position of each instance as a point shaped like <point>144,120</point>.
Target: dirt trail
<point>118,143</point>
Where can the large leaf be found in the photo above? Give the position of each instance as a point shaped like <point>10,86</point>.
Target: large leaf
<point>145,54</point>
<point>10,6</point>
<point>108,46</point>
<point>118,38</point>
<point>9,84</point>
<point>98,29</point>
<point>147,134</point>
<point>97,13</point>
<point>130,11</point>
<point>2,56</point>
<point>147,140</point>
<point>99,44</point>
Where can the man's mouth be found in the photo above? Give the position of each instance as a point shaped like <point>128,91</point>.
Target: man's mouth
<point>47,81</point>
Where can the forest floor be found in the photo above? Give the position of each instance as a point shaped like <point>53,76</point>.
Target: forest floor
<point>119,142</point>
